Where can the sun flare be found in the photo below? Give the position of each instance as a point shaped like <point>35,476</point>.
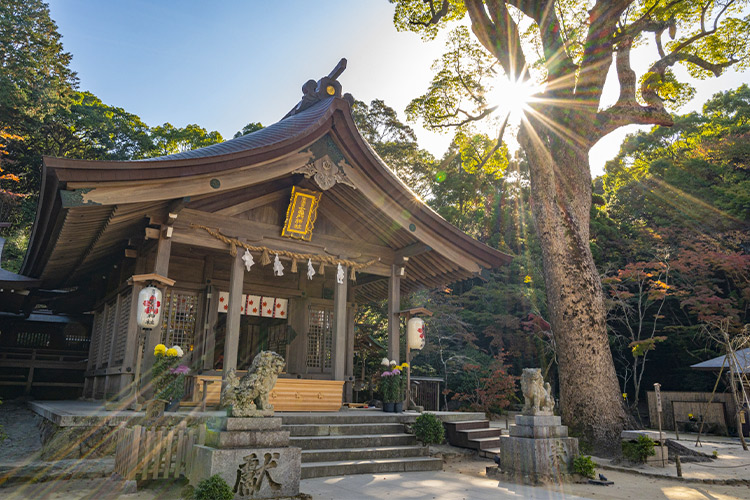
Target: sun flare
<point>516,95</point>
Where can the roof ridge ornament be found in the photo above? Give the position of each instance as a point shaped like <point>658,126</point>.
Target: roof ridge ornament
<point>328,86</point>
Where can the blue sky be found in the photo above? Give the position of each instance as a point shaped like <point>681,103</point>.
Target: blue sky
<point>225,63</point>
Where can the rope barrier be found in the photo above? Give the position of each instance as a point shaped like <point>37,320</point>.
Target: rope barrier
<point>265,251</point>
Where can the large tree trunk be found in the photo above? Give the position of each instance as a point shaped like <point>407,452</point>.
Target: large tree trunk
<point>561,203</point>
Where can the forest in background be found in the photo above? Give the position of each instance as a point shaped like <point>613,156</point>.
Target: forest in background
<point>669,222</point>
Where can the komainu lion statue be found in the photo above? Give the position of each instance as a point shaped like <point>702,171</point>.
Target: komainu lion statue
<point>537,394</point>
<point>245,396</point>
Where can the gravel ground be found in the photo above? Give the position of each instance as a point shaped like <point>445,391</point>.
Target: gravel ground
<point>20,424</point>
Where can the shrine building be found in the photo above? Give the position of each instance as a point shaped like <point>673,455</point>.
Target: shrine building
<point>264,242</point>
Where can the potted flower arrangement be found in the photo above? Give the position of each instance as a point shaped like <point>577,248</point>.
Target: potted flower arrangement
<point>393,385</point>
<point>169,375</point>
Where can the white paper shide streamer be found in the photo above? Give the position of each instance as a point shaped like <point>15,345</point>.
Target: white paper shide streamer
<point>310,270</point>
<point>248,258</point>
<point>340,274</point>
<point>278,269</point>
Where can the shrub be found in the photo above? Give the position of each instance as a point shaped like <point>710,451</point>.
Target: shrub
<point>639,450</point>
<point>213,488</point>
<point>584,466</point>
<point>429,429</point>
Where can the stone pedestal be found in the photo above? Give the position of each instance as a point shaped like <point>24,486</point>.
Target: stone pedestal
<point>252,455</point>
<point>538,449</point>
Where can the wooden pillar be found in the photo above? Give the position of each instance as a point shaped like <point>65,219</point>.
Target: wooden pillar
<point>299,308</point>
<point>339,329</point>
<point>349,385</point>
<point>127,386</point>
<point>209,334</point>
<point>394,306</point>
<point>232,339</point>
<point>207,342</point>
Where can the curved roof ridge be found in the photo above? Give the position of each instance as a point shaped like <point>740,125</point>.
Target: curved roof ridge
<point>266,136</point>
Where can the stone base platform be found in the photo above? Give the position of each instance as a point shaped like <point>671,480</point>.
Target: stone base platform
<point>86,429</point>
<point>538,450</point>
<point>252,455</point>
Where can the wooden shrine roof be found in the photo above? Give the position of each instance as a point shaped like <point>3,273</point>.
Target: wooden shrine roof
<point>89,209</point>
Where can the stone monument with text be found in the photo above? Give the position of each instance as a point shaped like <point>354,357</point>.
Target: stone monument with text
<point>247,447</point>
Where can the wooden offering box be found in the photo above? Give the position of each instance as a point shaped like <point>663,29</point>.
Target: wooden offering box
<point>289,394</point>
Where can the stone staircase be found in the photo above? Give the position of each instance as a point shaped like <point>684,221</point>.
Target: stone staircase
<point>355,443</point>
<point>474,434</point>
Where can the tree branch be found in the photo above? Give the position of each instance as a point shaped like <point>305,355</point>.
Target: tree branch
<point>469,117</point>
<point>437,15</point>
<point>499,141</point>
<point>620,115</point>
<point>597,53</point>
<point>499,35</point>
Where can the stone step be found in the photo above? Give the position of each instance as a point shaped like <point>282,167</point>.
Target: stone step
<point>334,454</point>
<point>469,424</point>
<point>355,441</point>
<point>484,443</point>
<point>471,434</point>
<point>489,452</point>
<point>370,466</point>
<point>346,417</point>
<point>343,429</point>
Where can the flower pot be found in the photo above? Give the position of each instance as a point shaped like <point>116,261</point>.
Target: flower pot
<point>398,407</point>
<point>173,405</point>
<point>388,407</point>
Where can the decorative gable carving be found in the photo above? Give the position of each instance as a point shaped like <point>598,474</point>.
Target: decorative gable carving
<point>325,173</point>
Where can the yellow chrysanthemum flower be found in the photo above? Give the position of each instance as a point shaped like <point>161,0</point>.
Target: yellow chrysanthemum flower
<point>171,352</point>
<point>160,349</point>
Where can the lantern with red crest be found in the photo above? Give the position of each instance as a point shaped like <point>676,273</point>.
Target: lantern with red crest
<point>415,333</point>
<point>149,307</point>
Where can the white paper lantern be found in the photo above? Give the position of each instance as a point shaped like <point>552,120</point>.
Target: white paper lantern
<point>149,307</point>
<point>415,333</point>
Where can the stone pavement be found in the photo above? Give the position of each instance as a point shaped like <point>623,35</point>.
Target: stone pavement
<point>425,485</point>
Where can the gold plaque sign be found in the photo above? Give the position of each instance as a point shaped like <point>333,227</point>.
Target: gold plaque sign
<point>301,214</point>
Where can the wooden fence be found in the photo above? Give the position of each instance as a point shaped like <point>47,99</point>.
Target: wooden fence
<point>160,453</point>
<point>676,406</point>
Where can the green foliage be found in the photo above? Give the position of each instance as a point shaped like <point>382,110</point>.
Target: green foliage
<point>169,386</point>
<point>469,189</point>
<point>429,429</point>
<point>389,389</point>
<point>459,90</point>
<point>169,139</point>
<point>213,488</point>
<point>639,450</point>
<point>426,18</point>
<point>249,129</point>
<point>489,389</point>
<point>393,383</point>
<point>105,132</point>
<point>584,466</point>
<point>396,144</point>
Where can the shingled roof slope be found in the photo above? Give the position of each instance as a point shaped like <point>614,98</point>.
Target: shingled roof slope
<point>273,134</point>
